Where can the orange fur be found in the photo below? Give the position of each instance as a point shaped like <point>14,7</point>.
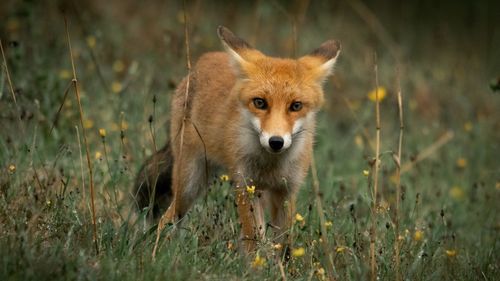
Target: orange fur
<point>223,127</point>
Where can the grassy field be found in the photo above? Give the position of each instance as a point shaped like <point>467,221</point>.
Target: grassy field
<point>129,57</point>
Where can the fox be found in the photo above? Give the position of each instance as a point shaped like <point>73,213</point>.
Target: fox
<point>246,113</point>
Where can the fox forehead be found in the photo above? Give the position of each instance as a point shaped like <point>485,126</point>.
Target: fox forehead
<point>276,70</point>
<point>281,79</point>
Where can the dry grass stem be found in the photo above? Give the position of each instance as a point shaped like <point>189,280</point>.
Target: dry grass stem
<point>429,151</point>
<point>373,233</point>
<point>282,269</point>
<point>319,206</point>
<point>152,129</point>
<point>162,222</point>
<point>398,178</point>
<point>81,165</point>
<point>7,73</point>
<point>11,87</point>
<point>85,142</point>
<point>66,91</point>
<point>155,163</point>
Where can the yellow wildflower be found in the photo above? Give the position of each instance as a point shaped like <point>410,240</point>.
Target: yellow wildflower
<point>64,74</point>
<point>393,178</point>
<point>118,66</point>
<point>299,252</point>
<point>412,104</point>
<point>123,126</point>
<point>321,273</point>
<point>358,140</point>
<point>299,217</point>
<point>451,253</point>
<point>68,103</point>
<point>98,155</point>
<point>91,41</point>
<point>328,224</point>
<point>102,132</point>
<point>381,91</point>
<point>116,87</point>
<point>258,261</point>
<point>180,17</point>
<point>457,193</point>
<point>461,162</point>
<point>468,126</point>
<point>88,123</point>
<point>224,178</point>
<point>12,25</point>
<point>418,235</point>
<point>340,249</point>
<point>12,168</point>
<point>366,173</point>
<point>383,206</point>
<point>251,189</point>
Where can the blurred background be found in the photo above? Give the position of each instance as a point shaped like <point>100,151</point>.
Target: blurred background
<point>130,55</point>
<point>447,51</point>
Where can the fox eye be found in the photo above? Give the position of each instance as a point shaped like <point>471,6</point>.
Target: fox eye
<point>260,103</point>
<point>296,106</point>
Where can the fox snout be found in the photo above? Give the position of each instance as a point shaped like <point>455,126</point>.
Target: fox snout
<point>278,136</point>
<point>275,143</point>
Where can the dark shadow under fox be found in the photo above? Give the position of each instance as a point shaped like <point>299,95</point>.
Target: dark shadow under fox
<point>153,184</point>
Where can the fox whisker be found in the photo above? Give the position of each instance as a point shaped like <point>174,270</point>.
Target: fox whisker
<point>298,133</point>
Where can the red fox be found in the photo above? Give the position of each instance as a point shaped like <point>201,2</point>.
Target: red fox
<point>249,114</point>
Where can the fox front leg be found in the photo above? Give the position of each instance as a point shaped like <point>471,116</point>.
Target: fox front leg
<point>251,216</point>
<point>282,205</point>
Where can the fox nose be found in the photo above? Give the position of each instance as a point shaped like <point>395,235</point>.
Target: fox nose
<point>276,143</point>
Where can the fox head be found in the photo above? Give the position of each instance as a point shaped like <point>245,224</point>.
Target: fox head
<point>279,96</point>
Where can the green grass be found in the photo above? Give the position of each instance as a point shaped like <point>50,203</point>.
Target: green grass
<point>446,67</point>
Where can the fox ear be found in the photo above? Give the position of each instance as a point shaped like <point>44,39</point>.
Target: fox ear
<point>238,49</point>
<point>322,60</point>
